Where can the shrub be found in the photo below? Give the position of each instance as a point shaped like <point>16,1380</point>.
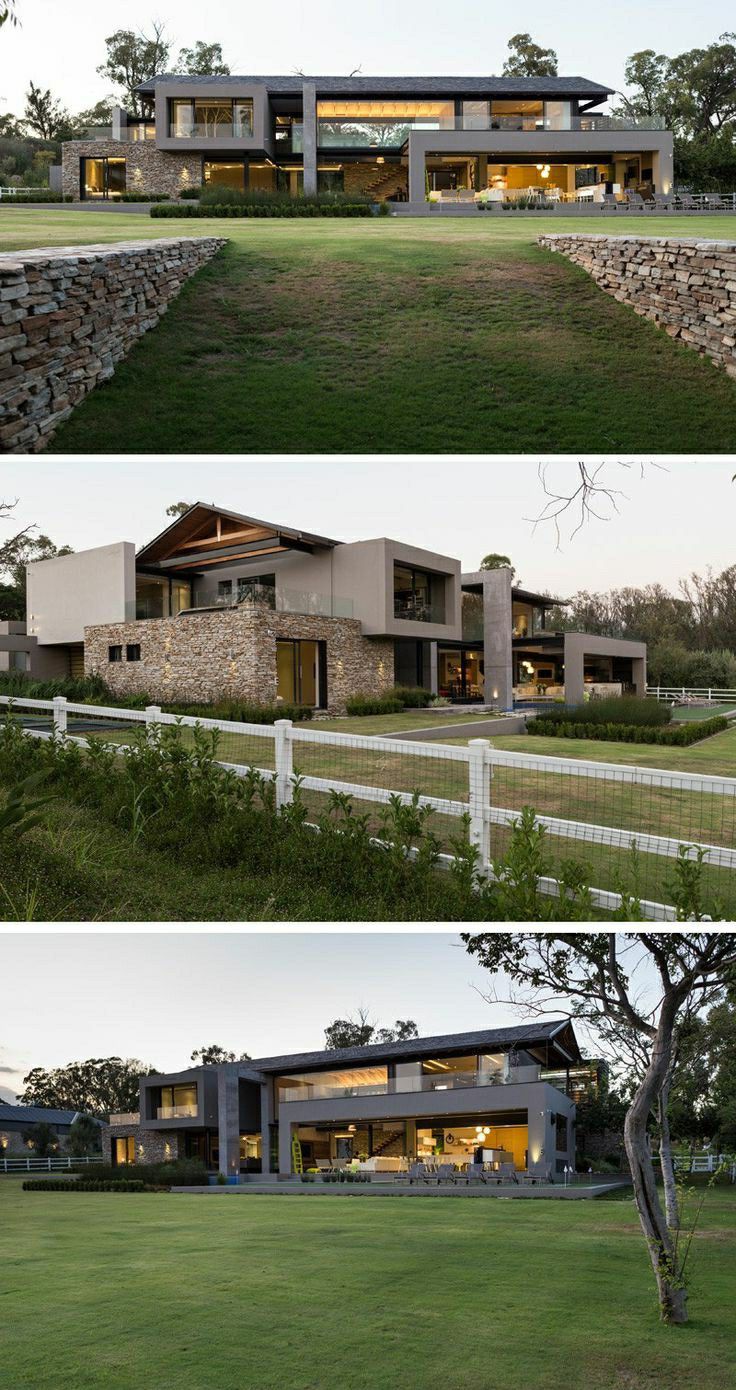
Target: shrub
<point>39,195</point>
<point>373,704</point>
<point>222,209</point>
<point>194,192</point>
<point>93,690</point>
<point>89,1185</point>
<point>134,196</point>
<point>677,735</point>
<point>181,1172</point>
<point>411,696</point>
<point>241,711</point>
<point>624,709</point>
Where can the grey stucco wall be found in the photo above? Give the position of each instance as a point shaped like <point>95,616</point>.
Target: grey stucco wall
<point>579,645</point>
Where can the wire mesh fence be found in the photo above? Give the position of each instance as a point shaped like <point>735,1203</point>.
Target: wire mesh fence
<point>623,824</point>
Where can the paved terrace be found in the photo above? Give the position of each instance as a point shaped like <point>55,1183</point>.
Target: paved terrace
<point>575,1192</point>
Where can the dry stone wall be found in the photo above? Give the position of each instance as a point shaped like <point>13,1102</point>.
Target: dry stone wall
<point>686,286</point>
<point>232,655</point>
<point>147,170</point>
<point>68,315</point>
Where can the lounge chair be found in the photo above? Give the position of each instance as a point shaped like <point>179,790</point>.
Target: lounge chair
<point>715,203</point>
<point>475,1172</point>
<point>612,204</point>
<point>687,203</point>
<point>663,203</point>
<point>446,1172</point>
<point>635,200</point>
<point>536,1173</point>
<point>421,1172</point>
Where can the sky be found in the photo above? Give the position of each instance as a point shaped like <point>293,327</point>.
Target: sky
<point>158,996</point>
<point>60,45</point>
<point>675,519</point>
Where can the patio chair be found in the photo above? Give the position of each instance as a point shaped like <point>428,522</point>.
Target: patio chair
<point>537,1173</point>
<point>612,204</point>
<point>635,200</point>
<point>475,1172</point>
<point>715,203</point>
<point>663,203</point>
<point>445,1172</point>
<point>419,1172</point>
<point>687,203</point>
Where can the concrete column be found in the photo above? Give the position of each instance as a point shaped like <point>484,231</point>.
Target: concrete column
<point>482,170</point>
<point>433,669</point>
<point>309,98</point>
<point>639,675</point>
<point>119,122</point>
<point>497,636</point>
<point>266,1122</point>
<point>417,191</point>
<point>663,165</point>
<point>574,658</point>
<point>228,1120</point>
<point>411,1137</point>
<point>284,1147</point>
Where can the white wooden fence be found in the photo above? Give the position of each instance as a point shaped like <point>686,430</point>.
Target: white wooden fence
<point>668,693</point>
<point>591,811</point>
<point>52,1164</point>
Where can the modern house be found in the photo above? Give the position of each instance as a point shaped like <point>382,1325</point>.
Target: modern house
<point>388,137</point>
<point>17,1120</point>
<point>503,1093</point>
<point>221,605</point>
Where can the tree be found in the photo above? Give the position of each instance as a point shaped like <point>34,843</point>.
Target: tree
<point>204,60</point>
<point>45,115</point>
<point>84,1137</point>
<point>592,972</point>
<point>646,73</point>
<point>497,562</point>
<point>178,508</point>
<point>99,114</point>
<point>41,1138</point>
<point>98,1086</point>
<point>7,12</point>
<point>527,59</point>
<point>700,89</point>
<point>131,58</point>
<point>360,1032</point>
<point>213,1055</point>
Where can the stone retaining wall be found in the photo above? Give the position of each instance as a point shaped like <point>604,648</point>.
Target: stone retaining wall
<point>232,655</point>
<point>686,286</point>
<point>69,314</point>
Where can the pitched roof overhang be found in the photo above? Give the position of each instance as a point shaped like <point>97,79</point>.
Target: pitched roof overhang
<point>366,86</point>
<point>207,535</point>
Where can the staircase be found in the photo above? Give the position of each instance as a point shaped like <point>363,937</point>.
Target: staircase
<point>390,1147</point>
<point>386,182</point>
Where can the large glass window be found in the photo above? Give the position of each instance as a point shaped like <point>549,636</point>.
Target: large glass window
<point>123,1151</point>
<point>262,177</point>
<point>210,119</point>
<point>557,115</point>
<point>349,124</point>
<point>476,115</point>
<point>178,1102</point>
<point>102,178</point>
<point>418,595</point>
<point>461,674</point>
<point>227,173</point>
<point>517,114</point>
<point>301,673</point>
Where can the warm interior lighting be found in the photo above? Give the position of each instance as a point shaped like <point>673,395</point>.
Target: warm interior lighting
<point>365,110</point>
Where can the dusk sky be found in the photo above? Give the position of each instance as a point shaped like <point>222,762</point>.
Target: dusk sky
<point>61,45</point>
<point>676,518</point>
<point>158,996</point>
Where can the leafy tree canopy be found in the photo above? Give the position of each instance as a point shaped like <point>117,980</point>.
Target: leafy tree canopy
<point>41,1138</point>
<point>527,59</point>
<point>204,60</point>
<point>99,1086</point>
<point>45,116</point>
<point>212,1055</point>
<point>360,1032</point>
<point>497,562</point>
<point>131,58</point>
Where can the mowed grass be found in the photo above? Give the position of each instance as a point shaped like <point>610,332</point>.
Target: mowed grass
<point>392,336</point>
<point>112,1292</point>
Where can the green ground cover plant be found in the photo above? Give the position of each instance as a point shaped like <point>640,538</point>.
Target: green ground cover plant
<point>357,864</point>
<point>89,1185</point>
<point>218,1266</point>
<point>339,314</point>
<point>616,709</point>
<point>290,208</point>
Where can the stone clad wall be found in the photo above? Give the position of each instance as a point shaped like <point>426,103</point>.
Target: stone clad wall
<point>686,286</point>
<point>147,170</point>
<point>232,655</point>
<point>68,315</point>
<point>151,1145</point>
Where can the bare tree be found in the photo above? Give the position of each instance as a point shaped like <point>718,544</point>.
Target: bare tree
<point>591,497</point>
<point>9,548</point>
<point>591,972</point>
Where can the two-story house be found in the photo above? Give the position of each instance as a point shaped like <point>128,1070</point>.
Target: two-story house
<point>221,605</point>
<point>502,1092</point>
<point>399,138</point>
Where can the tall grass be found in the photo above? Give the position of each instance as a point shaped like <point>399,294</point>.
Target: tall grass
<point>624,709</point>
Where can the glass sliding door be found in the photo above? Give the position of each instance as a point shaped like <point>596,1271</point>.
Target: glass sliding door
<point>300,673</point>
<point>101,178</point>
<point>225,173</point>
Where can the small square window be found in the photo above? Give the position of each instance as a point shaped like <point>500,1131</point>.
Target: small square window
<point>133,651</point>
<point>114,653</point>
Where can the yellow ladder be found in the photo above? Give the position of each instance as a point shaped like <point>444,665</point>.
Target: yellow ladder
<point>296,1155</point>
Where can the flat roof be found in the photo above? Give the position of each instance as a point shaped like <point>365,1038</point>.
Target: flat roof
<point>361,84</point>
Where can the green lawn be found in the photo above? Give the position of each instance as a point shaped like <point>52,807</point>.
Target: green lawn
<point>112,1292</point>
<point>392,336</point>
<point>394,723</point>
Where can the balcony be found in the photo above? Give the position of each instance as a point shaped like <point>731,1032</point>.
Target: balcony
<point>211,130</point>
<point>177,1112</point>
<point>407,1085</point>
<point>278,600</point>
<point>139,131</point>
<point>392,134</point>
<point>129,1117</point>
<point>418,611</point>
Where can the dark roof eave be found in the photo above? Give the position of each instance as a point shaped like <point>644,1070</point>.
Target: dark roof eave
<point>428,85</point>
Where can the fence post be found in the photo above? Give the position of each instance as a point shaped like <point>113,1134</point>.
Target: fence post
<point>284,754</point>
<point>60,714</point>
<point>151,713</point>
<point>479,798</point>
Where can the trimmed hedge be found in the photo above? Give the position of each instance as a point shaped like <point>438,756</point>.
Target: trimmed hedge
<point>370,704</point>
<point>184,1172</point>
<point>241,711</point>
<point>294,209</point>
<point>679,735</point>
<point>614,709</point>
<point>64,1185</point>
<point>40,195</point>
<point>134,197</point>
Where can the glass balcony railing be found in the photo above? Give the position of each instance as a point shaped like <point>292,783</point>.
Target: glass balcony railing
<point>139,131</point>
<point>278,599</point>
<point>404,1085</point>
<point>392,134</point>
<point>211,130</point>
<point>417,611</point>
<point>177,1112</point>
